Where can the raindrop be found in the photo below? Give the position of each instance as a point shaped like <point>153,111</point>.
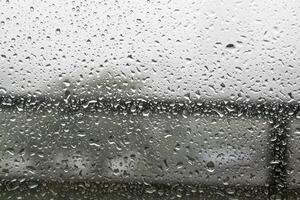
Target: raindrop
<point>210,166</point>
<point>57,31</point>
<point>230,46</point>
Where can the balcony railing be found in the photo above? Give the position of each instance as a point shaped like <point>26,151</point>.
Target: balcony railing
<point>209,145</point>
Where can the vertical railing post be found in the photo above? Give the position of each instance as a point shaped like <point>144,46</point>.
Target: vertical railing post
<point>279,131</point>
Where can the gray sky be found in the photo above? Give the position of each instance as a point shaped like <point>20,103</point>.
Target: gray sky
<point>177,47</point>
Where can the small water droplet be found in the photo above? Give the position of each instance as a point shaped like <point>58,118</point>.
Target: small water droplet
<point>230,46</point>
<point>57,31</point>
<point>210,166</point>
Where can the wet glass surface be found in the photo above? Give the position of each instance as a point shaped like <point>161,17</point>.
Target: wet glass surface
<point>149,99</point>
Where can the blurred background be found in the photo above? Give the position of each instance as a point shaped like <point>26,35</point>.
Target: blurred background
<point>149,99</point>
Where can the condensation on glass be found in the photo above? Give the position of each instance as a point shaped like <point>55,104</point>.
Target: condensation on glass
<point>149,99</point>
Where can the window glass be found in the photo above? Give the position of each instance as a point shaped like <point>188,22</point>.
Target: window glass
<point>147,99</point>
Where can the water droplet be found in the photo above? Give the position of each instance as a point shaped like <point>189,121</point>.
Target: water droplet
<point>230,46</point>
<point>57,31</point>
<point>210,166</point>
